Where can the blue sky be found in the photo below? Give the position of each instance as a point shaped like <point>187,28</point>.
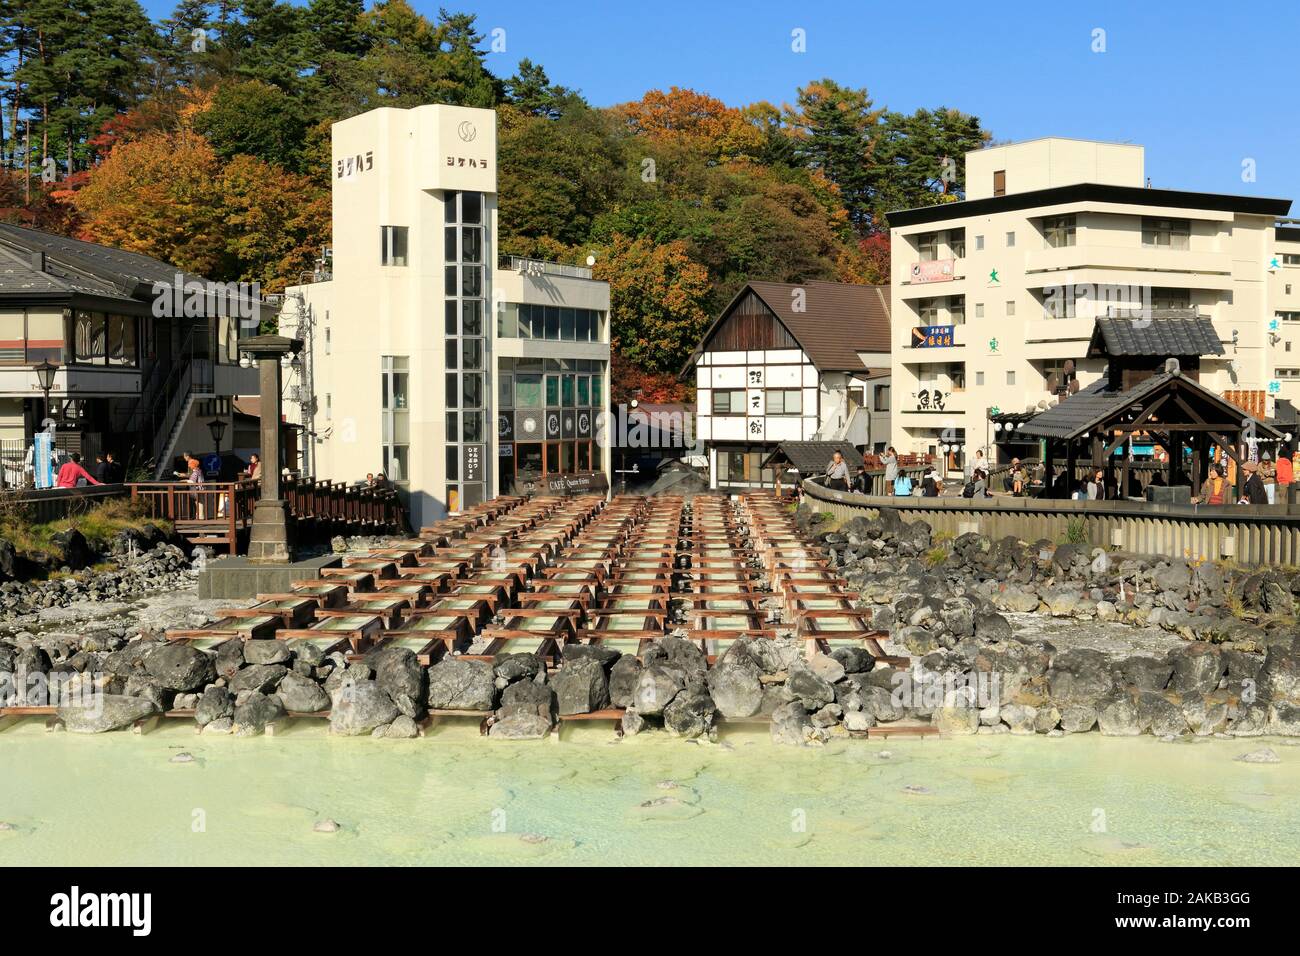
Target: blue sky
<point>1202,85</point>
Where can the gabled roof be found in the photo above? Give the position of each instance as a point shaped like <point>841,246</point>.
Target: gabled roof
<point>1165,333</point>
<point>90,259</point>
<point>19,276</point>
<point>838,320</point>
<point>1100,406</point>
<point>811,457</point>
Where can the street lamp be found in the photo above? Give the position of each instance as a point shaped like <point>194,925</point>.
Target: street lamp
<point>218,428</point>
<point>45,380</point>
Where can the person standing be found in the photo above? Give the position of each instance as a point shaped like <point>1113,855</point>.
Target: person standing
<point>890,460</point>
<point>1253,493</point>
<point>71,474</point>
<point>837,473</point>
<point>1268,476</point>
<point>1215,489</point>
<point>1285,473</point>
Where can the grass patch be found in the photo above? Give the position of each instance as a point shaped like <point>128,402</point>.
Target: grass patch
<point>99,525</point>
<point>1076,532</point>
<point>936,556</point>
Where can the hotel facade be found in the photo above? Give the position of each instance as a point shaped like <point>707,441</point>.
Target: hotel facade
<point>995,298</point>
<point>459,374</point>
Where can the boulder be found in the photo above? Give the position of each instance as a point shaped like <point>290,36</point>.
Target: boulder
<point>1080,675</point>
<point>581,686</point>
<point>104,713</point>
<point>178,666</point>
<point>402,728</point>
<point>269,651</point>
<point>623,677</point>
<point>1019,717</point>
<point>305,651</point>
<point>512,667</point>
<point>263,678</point>
<point>528,697</point>
<point>458,684</point>
<point>1078,718</point>
<point>520,726</point>
<point>957,719</point>
<point>792,725</point>
<point>1197,668</point>
<point>810,690</point>
<point>359,706</point>
<point>602,655</point>
<point>230,658</point>
<point>992,626</point>
<point>736,689</point>
<point>656,687</point>
<point>301,694</point>
<point>827,668</point>
<point>1118,717</point>
<point>854,660</point>
<point>632,723</point>
<point>690,714</point>
<point>254,712</point>
<point>399,675</point>
<point>1284,718</point>
<point>71,550</point>
<point>1147,673</point>
<point>148,688</point>
<point>215,704</point>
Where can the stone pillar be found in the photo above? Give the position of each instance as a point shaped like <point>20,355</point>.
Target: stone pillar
<point>269,541</point>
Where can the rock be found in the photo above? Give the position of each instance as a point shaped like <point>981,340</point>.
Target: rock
<point>402,728</point>
<point>178,666</point>
<point>1046,719</point>
<point>301,694</point>
<point>791,724</point>
<point>1263,755</point>
<point>1019,717</point>
<point>827,668</point>
<point>632,723</point>
<point>262,678</point>
<point>656,688</point>
<point>230,658</point>
<point>812,691</point>
<point>956,719</point>
<point>1078,718</point>
<point>623,677</point>
<point>857,721</point>
<point>1161,716</point>
<point>1197,669</point>
<point>72,550</point>
<point>359,706</point>
<point>1284,718</point>
<point>325,826</point>
<point>690,714</point>
<point>107,712</point>
<point>215,704</point>
<point>138,686</point>
<point>1252,721</point>
<point>512,667</point>
<point>581,686</point>
<point>520,726</point>
<point>1118,717</point>
<point>602,655</point>
<point>304,651</point>
<point>254,712</point>
<point>181,758</point>
<point>736,689</point>
<point>1080,675</point>
<point>685,656</point>
<point>266,652</point>
<point>528,697</point>
<point>1147,673</point>
<point>458,684</point>
<point>853,660</point>
<point>399,675</point>
<point>992,626</point>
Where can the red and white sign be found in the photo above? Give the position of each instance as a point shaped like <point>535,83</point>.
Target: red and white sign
<point>936,270</point>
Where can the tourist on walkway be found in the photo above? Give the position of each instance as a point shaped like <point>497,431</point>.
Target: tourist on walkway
<point>890,460</point>
<point>903,486</point>
<point>1268,476</point>
<point>1215,489</point>
<point>837,473</point>
<point>1253,493</point>
<point>1097,486</point>
<point>72,475</point>
<point>1285,473</point>
<point>931,486</point>
<point>1019,479</point>
<point>254,466</point>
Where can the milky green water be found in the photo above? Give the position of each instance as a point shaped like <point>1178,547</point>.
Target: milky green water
<point>456,798</point>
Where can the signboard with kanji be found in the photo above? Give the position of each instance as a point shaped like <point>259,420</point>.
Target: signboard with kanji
<point>931,336</point>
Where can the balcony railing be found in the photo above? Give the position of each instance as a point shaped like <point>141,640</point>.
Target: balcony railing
<point>539,267</point>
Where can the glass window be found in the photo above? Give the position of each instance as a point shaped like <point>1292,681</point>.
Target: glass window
<point>568,325</point>
<point>552,458</point>
<point>528,390</point>
<point>471,317</point>
<point>471,280</point>
<point>471,244</point>
<point>552,391</point>
<point>584,456</point>
<point>729,401</point>
<point>1166,233</point>
<point>505,391</point>
<point>45,332</point>
<point>1011,240</point>
<point>552,323</point>
<point>473,387</point>
<point>473,426</point>
<point>471,207</point>
<point>449,213</point>
<point>566,457</point>
<point>392,245</point>
<point>453,462</point>
<point>882,398</point>
<point>584,325</point>
<point>927,246</point>
<point>784,401</point>
<point>584,391</point>
<point>566,391</point>
<point>449,244</point>
<point>450,312</point>
<point>508,320</point>
<point>453,429</point>
<point>597,389</point>
<point>1058,231</point>
<point>13,337</point>
<point>979,243</point>
<point>471,351</point>
<point>452,395</point>
<point>449,282</point>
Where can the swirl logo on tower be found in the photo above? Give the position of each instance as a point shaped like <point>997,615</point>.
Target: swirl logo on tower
<point>466,131</point>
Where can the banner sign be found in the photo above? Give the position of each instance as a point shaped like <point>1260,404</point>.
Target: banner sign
<point>936,270</point>
<point>931,336</point>
<point>574,484</point>
<point>43,460</point>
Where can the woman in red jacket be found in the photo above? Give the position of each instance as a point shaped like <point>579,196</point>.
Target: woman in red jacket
<point>71,473</point>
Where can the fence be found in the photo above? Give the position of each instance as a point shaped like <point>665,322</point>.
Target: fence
<point>1248,534</point>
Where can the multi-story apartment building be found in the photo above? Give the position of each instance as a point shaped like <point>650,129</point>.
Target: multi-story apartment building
<point>791,362</point>
<point>995,297</point>
<point>140,357</point>
<point>457,374</point>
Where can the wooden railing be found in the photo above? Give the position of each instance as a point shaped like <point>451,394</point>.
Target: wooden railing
<point>215,513</point>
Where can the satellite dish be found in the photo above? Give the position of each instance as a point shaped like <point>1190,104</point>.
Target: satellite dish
<point>591,260</point>
<point>1042,403</point>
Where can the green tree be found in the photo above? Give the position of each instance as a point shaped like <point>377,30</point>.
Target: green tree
<point>254,118</point>
<point>532,91</point>
<point>835,129</point>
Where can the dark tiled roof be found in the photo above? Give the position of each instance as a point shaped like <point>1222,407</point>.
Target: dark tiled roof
<point>1098,405</point>
<point>839,321</point>
<point>1168,332</point>
<point>90,258</point>
<point>18,276</point>
<point>812,457</point>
